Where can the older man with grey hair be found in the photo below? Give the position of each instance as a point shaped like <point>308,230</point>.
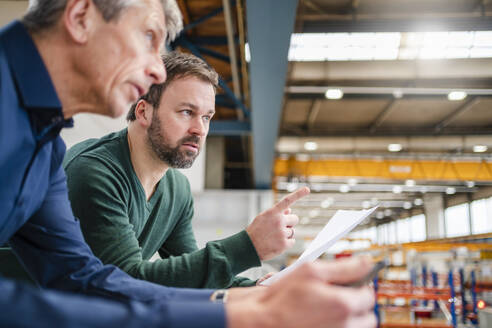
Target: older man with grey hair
<point>72,56</point>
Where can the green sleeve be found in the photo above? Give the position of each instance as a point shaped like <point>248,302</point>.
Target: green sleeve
<point>243,282</point>
<point>218,262</point>
<point>99,199</point>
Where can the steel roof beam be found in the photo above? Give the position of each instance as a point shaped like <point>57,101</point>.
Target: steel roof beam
<point>460,110</point>
<point>383,116</point>
<point>229,128</point>
<point>270,25</point>
<point>202,19</point>
<point>232,53</point>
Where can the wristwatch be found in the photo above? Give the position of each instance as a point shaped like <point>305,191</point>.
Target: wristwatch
<point>219,296</point>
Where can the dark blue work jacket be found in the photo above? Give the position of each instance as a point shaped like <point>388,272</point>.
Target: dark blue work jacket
<point>37,222</point>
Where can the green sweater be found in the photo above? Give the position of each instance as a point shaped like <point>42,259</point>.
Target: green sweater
<point>124,229</point>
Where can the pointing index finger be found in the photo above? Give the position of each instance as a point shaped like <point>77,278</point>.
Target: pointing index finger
<point>291,198</point>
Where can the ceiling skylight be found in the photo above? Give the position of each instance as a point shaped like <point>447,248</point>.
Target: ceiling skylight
<point>389,46</point>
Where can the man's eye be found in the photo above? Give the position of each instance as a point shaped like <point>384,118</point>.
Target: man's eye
<point>207,118</point>
<point>186,112</point>
<point>150,36</point>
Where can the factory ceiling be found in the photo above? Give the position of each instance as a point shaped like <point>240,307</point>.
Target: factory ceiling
<point>410,74</point>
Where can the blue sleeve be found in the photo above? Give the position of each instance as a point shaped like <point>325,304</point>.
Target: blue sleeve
<point>52,249</point>
<point>25,306</point>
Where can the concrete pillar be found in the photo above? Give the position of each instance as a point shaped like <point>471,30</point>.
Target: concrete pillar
<point>214,173</point>
<point>434,216</point>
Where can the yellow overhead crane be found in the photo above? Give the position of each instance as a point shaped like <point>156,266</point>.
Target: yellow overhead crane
<point>387,168</point>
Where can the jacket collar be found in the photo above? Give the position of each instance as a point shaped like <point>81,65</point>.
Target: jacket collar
<point>32,78</point>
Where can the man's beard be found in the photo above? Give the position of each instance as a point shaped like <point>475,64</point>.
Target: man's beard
<point>174,157</point>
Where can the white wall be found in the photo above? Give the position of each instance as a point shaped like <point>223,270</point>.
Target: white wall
<point>221,213</point>
<point>10,10</point>
<point>88,126</point>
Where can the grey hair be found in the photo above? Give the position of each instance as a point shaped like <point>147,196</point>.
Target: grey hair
<point>174,19</point>
<point>42,14</point>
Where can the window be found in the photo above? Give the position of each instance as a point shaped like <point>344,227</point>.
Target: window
<point>481,212</point>
<point>457,220</point>
<point>392,233</point>
<point>411,229</point>
<point>372,234</point>
<point>368,233</point>
<point>417,226</point>
<point>404,231</point>
<point>382,234</point>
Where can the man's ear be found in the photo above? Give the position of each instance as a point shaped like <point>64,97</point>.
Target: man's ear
<point>79,18</point>
<point>143,113</point>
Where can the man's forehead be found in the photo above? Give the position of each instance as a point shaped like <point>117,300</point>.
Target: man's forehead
<point>155,12</point>
<point>156,19</point>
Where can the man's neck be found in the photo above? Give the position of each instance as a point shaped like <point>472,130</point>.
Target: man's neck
<point>148,167</point>
<point>72,89</point>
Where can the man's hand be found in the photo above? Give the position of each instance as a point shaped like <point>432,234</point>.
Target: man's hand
<point>272,231</point>
<point>239,293</point>
<point>265,277</point>
<point>310,296</point>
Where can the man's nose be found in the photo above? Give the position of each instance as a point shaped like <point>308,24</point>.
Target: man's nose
<point>199,128</point>
<point>156,70</point>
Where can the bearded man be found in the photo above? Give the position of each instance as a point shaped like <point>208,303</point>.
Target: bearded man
<point>132,202</point>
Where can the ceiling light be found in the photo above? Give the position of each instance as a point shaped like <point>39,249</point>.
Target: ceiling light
<point>326,203</point>
<point>247,53</point>
<point>374,201</point>
<point>397,189</point>
<point>313,213</point>
<point>387,212</point>
<point>410,183</point>
<point>334,94</point>
<point>407,205</point>
<point>394,147</point>
<point>480,148</point>
<point>344,188</point>
<point>366,204</point>
<point>397,93</point>
<point>310,145</point>
<point>470,184</point>
<point>352,182</point>
<point>450,190</point>
<point>291,186</point>
<point>379,215</point>
<point>456,95</point>
<point>418,201</point>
